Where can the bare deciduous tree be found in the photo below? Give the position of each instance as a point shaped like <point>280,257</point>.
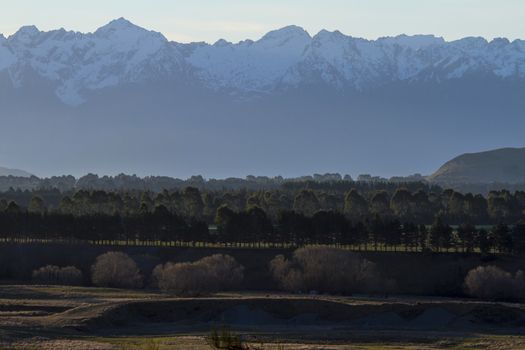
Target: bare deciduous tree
<point>116,269</point>
<point>328,270</point>
<point>51,274</point>
<point>491,282</point>
<point>210,274</point>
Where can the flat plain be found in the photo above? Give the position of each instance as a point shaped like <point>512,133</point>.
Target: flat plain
<point>55,317</point>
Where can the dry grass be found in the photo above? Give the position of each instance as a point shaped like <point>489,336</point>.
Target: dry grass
<point>56,317</point>
<point>199,343</point>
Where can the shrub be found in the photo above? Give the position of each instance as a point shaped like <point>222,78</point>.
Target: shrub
<point>327,270</point>
<point>225,339</point>
<point>226,272</point>
<point>183,279</point>
<point>51,274</point>
<point>208,275</point>
<point>117,270</point>
<point>491,282</point>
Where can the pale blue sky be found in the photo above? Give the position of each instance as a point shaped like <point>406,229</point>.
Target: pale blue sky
<point>234,20</point>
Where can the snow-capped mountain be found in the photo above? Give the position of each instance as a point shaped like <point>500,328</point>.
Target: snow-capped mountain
<point>75,63</point>
<point>120,52</point>
<point>125,99</point>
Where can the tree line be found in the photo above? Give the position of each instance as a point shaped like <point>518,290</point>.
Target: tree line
<point>376,233</point>
<point>415,202</point>
<point>159,183</point>
<point>253,226</point>
<point>144,225</point>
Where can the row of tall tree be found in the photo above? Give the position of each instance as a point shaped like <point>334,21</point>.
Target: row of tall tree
<point>157,225</point>
<point>159,183</point>
<point>254,226</point>
<point>419,205</point>
<point>377,233</point>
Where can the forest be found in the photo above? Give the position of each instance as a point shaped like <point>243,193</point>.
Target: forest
<point>413,216</point>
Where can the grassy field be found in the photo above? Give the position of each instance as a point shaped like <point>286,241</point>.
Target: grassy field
<point>198,343</point>
<point>193,342</point>
<point>55,317</point>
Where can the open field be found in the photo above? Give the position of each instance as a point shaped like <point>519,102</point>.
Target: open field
<point>51,317</point>
<point>57,317</point>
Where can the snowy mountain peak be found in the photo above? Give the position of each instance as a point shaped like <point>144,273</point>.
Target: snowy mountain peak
<point>326,34</point>
<point>121,52</point>
<point>117,24</point>
<point>123,30</point>
<point>25,35</point>
<point>415,42</point>
<point>499,42</point>
<point>286,33</point>
<point>221,43</point>
<point>471,42</point>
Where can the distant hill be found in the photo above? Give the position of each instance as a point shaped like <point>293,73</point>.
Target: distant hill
<point>505,165</point>
<point>14,172</point>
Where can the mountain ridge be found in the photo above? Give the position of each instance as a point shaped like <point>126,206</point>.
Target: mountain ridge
<point>288,103</point>
<point>121,52</point>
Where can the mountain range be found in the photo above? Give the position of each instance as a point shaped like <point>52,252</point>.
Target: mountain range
<point>124,98</point>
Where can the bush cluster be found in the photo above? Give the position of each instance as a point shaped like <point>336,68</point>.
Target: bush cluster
<point>117,270</point>
<point>493,283</point>
<point>208,275</point>
<point>52,274</point>
<point>326,270</point>
<point>310,269</point>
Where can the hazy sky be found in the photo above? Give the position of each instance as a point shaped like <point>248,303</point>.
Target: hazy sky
<point>234,20</point>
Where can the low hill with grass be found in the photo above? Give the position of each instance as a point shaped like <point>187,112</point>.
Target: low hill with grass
<point>505,165</point>
<point>14,172</point>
